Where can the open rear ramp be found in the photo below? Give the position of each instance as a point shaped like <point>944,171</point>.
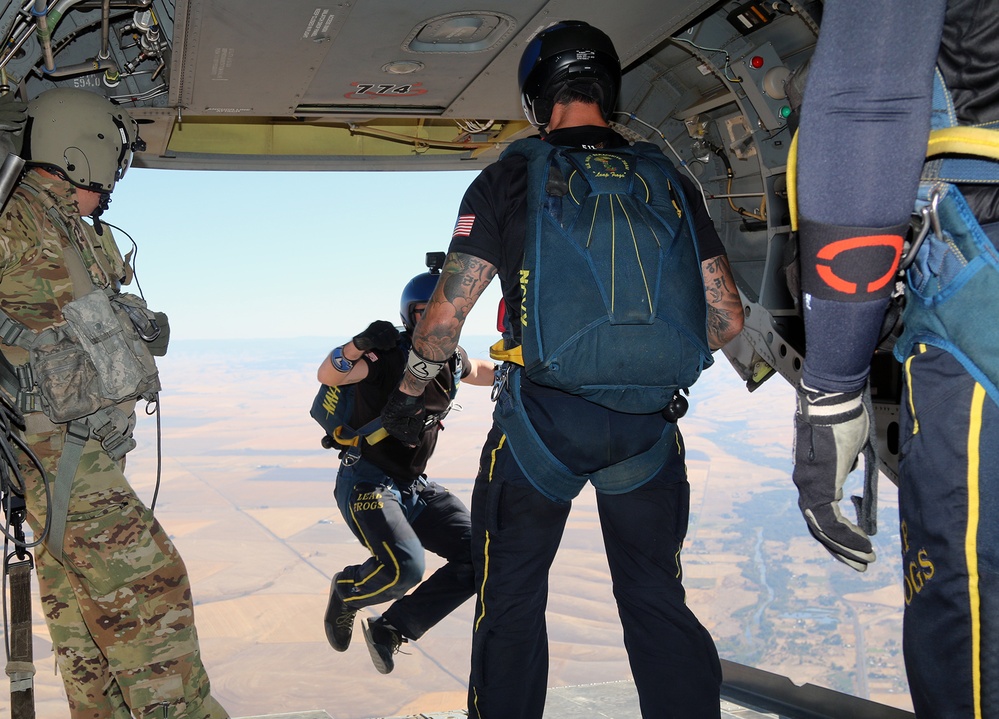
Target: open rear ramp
<point>747,693</point>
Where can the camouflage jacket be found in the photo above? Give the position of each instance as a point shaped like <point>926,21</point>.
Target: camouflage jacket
<point>35,282</point>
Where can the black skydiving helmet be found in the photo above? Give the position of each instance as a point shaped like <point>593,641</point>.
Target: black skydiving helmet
<point>83,137</point>
<point>570,55</point>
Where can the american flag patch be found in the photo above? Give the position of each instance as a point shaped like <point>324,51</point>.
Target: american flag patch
<point>463,227</point>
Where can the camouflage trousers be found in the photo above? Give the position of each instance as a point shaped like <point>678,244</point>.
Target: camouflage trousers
<point>118,606</point>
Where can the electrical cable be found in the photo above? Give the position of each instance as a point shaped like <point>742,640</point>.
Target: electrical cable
<point>726,68</point>
<point>10,474</point>
<point>154,404</point>
<point>474,126</point>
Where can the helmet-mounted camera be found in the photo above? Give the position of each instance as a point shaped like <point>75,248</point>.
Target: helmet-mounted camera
<point>435,261</point>
<point>419,289</point>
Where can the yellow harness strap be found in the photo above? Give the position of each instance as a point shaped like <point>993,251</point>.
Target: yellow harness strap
<point>975,141</point>
<point>374,438</point>
<point>514,354</point>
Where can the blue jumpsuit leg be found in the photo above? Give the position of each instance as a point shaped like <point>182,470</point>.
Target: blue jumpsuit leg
<point>948,501</point>
<point>515,534</point>
<point>673,658</point>
<point>444,527</point>
<point>372,506</point>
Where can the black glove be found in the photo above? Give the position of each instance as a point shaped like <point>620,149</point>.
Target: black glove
<point>403,417</point>
<point>830,430</point>
<point>13,115</point>
<point>380,335</point>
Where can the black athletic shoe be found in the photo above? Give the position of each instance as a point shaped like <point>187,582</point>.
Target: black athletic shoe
<point>339,620</point>
<point>383,642</point>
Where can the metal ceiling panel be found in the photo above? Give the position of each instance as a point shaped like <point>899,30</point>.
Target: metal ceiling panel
<point>351,58</point>
<point>298,57</point>
<point>446,48</point>
<point>255,61</point>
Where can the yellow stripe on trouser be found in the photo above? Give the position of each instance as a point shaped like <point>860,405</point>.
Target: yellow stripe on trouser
<point>388,550</point>
<point>679,548</point>
<point>485,566</point>
<point>398,573</point>
<point>971,543</point>
<point>908,383</point>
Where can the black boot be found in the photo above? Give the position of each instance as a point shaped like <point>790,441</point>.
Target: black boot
<point>339,620</point>
<point>383,642</point>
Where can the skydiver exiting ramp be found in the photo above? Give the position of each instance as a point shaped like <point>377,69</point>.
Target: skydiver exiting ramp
<point>385,497</point>
<point>870,103</point>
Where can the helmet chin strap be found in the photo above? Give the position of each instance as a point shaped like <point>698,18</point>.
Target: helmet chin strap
<point>96,214</point>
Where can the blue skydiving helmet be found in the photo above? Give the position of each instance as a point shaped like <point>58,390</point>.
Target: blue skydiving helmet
<point>416,292</point>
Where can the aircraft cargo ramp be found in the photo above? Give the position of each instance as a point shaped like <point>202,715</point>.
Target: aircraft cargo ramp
<point>747,693</point>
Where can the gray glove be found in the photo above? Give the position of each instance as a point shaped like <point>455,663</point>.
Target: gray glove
<point>13,115</point>
<point>380,335</point>
<point>830,431</point>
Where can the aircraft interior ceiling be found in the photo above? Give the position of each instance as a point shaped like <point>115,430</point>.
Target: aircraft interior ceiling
<point>237,83</point>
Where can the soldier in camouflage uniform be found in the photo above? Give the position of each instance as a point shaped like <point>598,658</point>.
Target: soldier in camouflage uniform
<point>118,600</point>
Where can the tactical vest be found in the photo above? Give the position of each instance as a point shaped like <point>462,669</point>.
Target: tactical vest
<point>333,409</point>
<point>100,357</point>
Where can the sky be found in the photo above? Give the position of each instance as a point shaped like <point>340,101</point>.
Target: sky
<point>252,255</point>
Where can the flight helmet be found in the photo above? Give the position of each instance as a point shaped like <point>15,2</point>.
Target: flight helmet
<point>81,136</point>
<point>419,289</point>
<point>571,55</point>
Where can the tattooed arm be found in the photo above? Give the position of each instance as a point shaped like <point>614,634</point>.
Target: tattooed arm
<point>724,304</point>
<point>462,281</point>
